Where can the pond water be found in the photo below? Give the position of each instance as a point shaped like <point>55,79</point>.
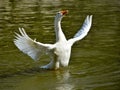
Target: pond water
<point>95,60</point>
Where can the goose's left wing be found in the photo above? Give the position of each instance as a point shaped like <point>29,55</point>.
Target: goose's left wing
<point>31,47</point>
<point>83,31</point>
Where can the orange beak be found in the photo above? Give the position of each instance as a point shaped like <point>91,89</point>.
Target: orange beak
<point>64,12</point>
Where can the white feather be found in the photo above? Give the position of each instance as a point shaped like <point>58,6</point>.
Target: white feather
<point>83,31</point>
<point>30,47</point>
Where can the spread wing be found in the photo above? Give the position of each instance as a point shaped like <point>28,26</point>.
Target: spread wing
<point>83,31</point>
<point>31,47</point>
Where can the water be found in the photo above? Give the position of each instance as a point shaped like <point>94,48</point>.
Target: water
<point>95,60</point>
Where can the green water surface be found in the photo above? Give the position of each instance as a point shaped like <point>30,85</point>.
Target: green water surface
<point>95,60</point>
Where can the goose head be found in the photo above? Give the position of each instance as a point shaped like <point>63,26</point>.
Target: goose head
<point>60,14</point>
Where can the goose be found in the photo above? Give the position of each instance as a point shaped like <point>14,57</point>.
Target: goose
<point>60,51</point>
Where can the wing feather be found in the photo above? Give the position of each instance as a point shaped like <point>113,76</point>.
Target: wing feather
<point>31,47</point>
<point>83,31</point>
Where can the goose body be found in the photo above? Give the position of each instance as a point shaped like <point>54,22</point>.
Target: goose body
<point>60,51</point>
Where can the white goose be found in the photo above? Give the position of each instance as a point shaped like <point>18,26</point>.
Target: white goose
<point>60,51</point>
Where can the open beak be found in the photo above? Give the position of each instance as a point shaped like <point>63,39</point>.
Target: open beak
<point>64,12</point>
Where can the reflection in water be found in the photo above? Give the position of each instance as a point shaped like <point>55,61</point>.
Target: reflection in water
<point>63,79</point>
<point>57,80</point>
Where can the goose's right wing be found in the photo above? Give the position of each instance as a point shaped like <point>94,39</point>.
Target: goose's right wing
<point>31,47</point>
<point>83,31</point>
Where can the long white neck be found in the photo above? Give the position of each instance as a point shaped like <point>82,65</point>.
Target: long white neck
<point>59,34</point>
